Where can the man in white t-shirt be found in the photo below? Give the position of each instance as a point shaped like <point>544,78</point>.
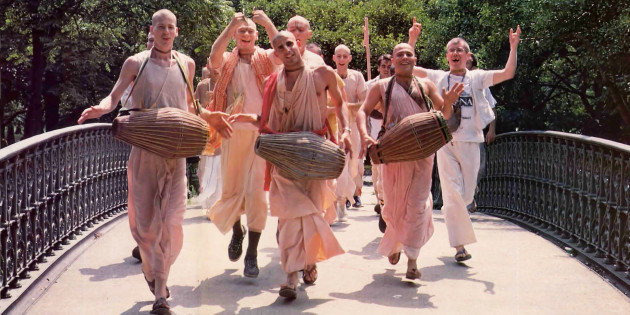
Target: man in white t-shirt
<point>458,161</point>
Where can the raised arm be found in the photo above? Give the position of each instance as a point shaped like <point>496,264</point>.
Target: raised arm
<point>414,33</point>
<point>510,67</point>
<point>127,75</point>
<point>221,43</point>
<point>372,99</point>
<point>259,17</point>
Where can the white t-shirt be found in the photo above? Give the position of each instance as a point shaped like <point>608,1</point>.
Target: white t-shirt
<point>476,110</point>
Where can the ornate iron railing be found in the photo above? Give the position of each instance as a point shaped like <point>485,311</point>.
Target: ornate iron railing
<point>53,187</point>
<point>571,188</point>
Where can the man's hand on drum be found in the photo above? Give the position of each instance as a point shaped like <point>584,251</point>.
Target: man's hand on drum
<point>217,120</point>
<point>244,118</point>
<point>366,142</point>
<point>91,113</point>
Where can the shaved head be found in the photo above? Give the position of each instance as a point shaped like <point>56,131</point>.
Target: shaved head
<point>401,46</point>
<point>164,13</point>
<point>341,48</point>
<point>299,20</point>
<point>283,35</point>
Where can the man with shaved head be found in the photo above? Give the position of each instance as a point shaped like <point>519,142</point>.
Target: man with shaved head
<point>356,89</point>
<point>295,100</point>
<point>157,186</point>
<point>239,90</point>
<point>408,208</point>
<point>301,29</point>
<point>458,162</point>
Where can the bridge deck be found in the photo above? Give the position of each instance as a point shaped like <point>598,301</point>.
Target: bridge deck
<point>513,271</point>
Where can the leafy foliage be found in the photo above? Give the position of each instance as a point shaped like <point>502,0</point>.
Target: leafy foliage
<point>573,65</point>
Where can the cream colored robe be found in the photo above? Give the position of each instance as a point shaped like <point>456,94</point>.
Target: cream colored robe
<point>304,236</point>
<point>408,208</point>
<point>242,171</point>
<point>157,186</point>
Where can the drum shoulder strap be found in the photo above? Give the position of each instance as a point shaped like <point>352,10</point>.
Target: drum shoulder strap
<point>428,103</point>
<point>188,84</point>
<point>388,96</point>
<point>144,63</point>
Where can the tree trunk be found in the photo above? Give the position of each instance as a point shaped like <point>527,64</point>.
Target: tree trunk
<point>34,110</point>
<point>52,98</point>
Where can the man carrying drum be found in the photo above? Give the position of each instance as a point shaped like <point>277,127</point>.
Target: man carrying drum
<point>458,161</point>
<point>157,186</point>
<point>296,100</point>
<point>408,208</point>
<point>239,90</point>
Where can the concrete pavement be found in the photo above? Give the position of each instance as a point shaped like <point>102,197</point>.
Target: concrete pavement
<point>513,271</point>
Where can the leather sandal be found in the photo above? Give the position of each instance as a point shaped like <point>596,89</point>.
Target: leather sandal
<point>462,255</point>
<point>394,258</point>
<point>310,274</point>
<point>288,291</point>
<point>412,274</point>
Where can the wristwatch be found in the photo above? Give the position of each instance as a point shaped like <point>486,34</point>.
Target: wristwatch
<point>347,129</point>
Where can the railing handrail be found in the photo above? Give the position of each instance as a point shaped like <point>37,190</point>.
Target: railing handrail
<point>26,144</point>
<point>571,136</point>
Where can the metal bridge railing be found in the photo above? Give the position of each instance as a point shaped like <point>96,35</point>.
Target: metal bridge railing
<point>574,189</point>
<point>53,187</point>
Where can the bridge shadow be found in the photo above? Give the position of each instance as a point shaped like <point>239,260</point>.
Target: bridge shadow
<point>369,250</point>
<point>229,289</point>
<point>129,267</point>
<point>453,271</point>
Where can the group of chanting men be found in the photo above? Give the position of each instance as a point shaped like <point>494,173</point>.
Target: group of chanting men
<point>250,91</point>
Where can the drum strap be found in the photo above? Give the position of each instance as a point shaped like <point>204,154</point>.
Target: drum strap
<point>388,96</point>
<point>190,89</point>
<point>181,68</point>
<point>144,63</point>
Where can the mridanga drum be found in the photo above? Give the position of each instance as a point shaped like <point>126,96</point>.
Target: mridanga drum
<point>301,155</point>
<point>415,137</point>
<point>168,132</point>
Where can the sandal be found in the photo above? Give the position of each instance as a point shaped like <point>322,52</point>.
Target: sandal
<point>462,255</point>
<point>161,307</point>
<point>288,291</point>
<point>310,274</point>
<point>412,274</point>
<point>394,258</point>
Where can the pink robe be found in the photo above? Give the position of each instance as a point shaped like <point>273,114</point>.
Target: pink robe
<point>157,186</point>
<point>305,238</point>
<point>408,208</point>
